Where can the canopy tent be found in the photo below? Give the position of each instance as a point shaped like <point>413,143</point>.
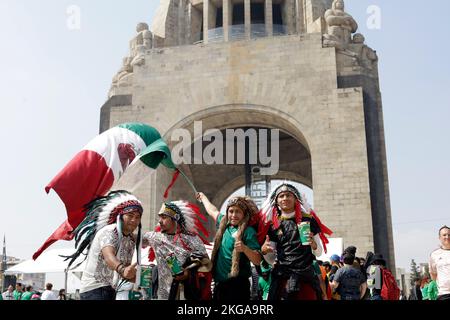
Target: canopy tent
<point>335,246</point>
<point>49,261</point>
<point>54,267</point>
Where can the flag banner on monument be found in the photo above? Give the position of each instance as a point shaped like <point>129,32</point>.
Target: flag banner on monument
<point>100,165</point>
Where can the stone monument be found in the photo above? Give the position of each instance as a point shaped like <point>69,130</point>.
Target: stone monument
<point>292,65</point>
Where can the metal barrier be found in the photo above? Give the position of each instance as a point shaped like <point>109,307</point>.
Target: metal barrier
<point>237,32</point>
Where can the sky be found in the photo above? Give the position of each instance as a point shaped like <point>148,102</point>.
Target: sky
<point>56,76</point>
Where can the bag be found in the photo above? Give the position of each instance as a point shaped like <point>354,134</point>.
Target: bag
<point>199,284</point>
<point>374,277</point>
<point>390,289</point>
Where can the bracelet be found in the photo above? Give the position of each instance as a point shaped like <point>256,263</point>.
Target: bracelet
<point>120,269</point>
<point>117,267</point>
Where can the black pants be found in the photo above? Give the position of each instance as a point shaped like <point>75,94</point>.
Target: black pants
<point>444,297</point>
<point>287,285</point>
<point>103,293</point>
<point>232,289</point>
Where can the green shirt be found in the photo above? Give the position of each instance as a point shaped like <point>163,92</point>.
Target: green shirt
<point>431,291</point>
<point>225,252</point>
<point>26,295</point>
<point>316,268</point>
<point>17,294</point>
<point>264,286</point>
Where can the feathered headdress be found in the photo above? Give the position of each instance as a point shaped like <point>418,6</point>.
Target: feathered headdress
<point>270,213</point>
<point>101,212</point>
<point>248,206</point>
<point>189,221</point>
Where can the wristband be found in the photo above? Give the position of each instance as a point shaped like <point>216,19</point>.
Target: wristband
<point>118,266</point>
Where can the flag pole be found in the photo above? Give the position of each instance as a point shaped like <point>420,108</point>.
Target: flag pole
<point>189,182</point>
<point>4,263</point>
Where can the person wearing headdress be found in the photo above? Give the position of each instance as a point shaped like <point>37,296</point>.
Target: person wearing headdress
<point>235,246</point>
<point>107,234</point>
<point>293,275</point>
<point>178,244</point>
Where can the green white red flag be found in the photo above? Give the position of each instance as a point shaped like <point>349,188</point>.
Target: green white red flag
<point>100,167</point>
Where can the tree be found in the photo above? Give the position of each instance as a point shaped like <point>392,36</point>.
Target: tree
<point>415,273</point>
<point>426,272</point>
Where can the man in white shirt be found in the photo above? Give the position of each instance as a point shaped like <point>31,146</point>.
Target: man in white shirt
<point>109,265</point>
<point>8,294</point>
<point>440,264</point>
<point>48,294</point>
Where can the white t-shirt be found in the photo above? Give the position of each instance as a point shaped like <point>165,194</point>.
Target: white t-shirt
<point>49,295</point>
<point>97,274</point>
<point>440,264</point>
<point>7,295</point>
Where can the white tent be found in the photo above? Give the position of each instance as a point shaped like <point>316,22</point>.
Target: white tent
<point>48,261</point>
<point>335,246</point>
<point>53,265</point>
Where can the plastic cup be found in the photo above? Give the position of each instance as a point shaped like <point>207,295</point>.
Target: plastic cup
<point>304,229</point>
<point>146,277</point>
<point>174,265</point>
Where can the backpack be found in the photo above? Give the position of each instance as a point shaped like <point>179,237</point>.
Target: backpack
<point>389,290</point>
<point>374,277</point>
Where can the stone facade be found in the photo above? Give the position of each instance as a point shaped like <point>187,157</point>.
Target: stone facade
<point>324,99</point>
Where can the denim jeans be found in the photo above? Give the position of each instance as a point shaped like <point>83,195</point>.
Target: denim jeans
<point>103,293</point>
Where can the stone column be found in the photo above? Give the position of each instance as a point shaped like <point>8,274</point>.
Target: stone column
<point>205,20</point>
<point>247,18</point>
<point>268,12</point>
<point>300,16</point>
<point>227,13</point>
<point>195,16</point>
<point>288,12</point>
<point>182,23</point>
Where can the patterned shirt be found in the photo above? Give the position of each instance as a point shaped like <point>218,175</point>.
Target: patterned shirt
<point>97,274</point>
<point>163,244</point>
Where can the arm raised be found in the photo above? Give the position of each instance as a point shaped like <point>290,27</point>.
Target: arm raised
<point>209,207</point>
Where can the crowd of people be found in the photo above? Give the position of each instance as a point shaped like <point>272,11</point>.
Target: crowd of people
<point>258,254</point>
<point>27,292</point>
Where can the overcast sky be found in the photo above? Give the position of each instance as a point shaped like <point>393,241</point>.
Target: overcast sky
<point>55,79</point>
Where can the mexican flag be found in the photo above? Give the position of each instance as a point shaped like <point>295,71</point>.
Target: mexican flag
<point>101,166</point>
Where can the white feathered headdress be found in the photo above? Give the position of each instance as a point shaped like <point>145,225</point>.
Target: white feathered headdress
<point>101,212</point>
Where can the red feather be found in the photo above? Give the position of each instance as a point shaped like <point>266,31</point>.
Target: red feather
<point>263,229</point>
<point>298,212</point>
<point>323,227</point>
<point>151,252</point>
<point>151,255</point>
<point>323,230</point>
